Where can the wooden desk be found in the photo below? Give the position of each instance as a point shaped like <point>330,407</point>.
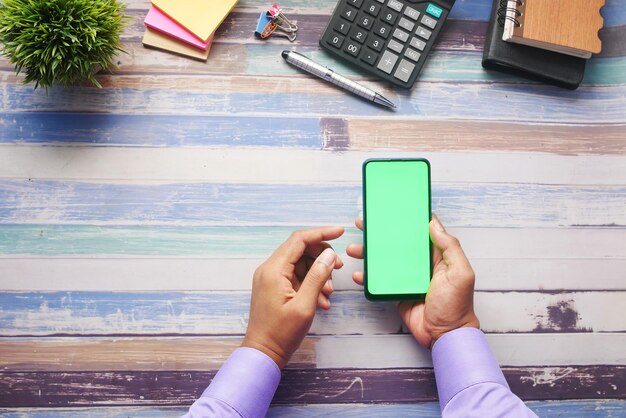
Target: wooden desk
<point>132,217</point>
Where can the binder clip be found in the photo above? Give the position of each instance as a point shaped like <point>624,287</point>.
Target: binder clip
<point>274,22</point>
<point>281,19</point>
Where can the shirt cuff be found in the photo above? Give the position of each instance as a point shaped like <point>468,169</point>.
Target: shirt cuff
<point>462,358</point>
<point>246,382</point>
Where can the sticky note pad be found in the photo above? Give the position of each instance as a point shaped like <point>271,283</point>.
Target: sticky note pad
<point>159,21</point>
<point>158,40</point>
<point>200,17</point>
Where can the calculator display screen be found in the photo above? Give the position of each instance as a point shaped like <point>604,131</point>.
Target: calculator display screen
<point>396,201</point>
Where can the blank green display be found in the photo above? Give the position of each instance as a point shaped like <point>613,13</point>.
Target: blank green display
<point>396,216</point>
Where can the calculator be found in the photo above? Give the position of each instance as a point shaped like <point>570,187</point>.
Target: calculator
<point>388,38</point>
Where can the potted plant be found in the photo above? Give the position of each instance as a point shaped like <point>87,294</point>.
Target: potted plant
<point>61,41</point>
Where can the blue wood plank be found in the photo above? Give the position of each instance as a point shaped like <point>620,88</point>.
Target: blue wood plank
<point>609,408</point>
<point>198,313</point>
<point>533,103</point>
<point>159,130</point>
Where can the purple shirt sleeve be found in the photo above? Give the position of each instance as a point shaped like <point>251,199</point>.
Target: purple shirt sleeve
<point>469,380</point>
<point>243,387</point>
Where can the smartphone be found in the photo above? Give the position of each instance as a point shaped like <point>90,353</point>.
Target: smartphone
<point>396,236</point>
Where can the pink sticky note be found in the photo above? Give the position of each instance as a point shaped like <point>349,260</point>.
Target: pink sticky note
<point>159,21</point>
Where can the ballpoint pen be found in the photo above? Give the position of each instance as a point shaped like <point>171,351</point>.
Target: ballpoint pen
<point>298,60</point>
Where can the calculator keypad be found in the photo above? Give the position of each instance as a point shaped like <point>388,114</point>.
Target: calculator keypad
<point>389,38</point>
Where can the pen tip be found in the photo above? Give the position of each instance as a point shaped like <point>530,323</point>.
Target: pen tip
<point>284,54</point>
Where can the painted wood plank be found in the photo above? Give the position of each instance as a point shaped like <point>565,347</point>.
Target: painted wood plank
<point>586,408</point>
<point>463,9</point>
<point>413,135</point>
<point>31,389</point>
<point>457,34</point>
<point>210,204</point>
<point>226,313</point>
<point>153,130</point>
<point>537,349</point>
<point>190,274</point>
<point>456,58</point>
<point>336,134</point>
<point>478,101</point>
<point>158,165</point>
<point>165,353</point>
<point>259,242</point>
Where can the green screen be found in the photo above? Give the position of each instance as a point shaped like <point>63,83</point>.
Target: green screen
<point>396,214</point>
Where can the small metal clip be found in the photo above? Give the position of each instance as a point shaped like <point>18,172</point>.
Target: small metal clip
<point>281,19</point>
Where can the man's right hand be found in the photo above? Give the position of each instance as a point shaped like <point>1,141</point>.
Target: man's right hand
<point>449,302</point>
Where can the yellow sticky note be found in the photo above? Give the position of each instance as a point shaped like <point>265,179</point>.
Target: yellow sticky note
<point>200,17</point>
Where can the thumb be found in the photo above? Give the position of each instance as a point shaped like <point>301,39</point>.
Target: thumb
<point>448,245</point>
<point>315,279</point>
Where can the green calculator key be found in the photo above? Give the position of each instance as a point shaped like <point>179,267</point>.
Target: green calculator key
<point>434,10</point>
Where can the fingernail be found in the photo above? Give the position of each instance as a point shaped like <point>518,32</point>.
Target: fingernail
<point>437,224</point>
<point>330,284</point>
<point>327,257</point>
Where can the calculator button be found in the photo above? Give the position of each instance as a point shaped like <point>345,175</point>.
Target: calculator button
<point>349,13</point>
<point>335,40</point>
<point>376,43</point>
<point>428,21</point>
<point>395,46</point>
<point>358,34</point>
<point>381,1</point>
<point>369,56</point>
<point>387,62</point>
<point>404,71</point>
<point>418,43</point>
<point>342,27</point>
<point>412,54</point>
<point>389,17</point>
<point>365,21</point>
<point>434,11</point>
<point>381,29</point>
<point>401,35</point>
<point>352,48</point>
<point>355,3</point>
<point>395,5</point>
<point>406,24</point>
<point>423,33</point>
<point>411,13</point>
<point>372,8</point>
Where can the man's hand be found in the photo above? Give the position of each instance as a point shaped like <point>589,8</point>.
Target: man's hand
<point>449,302</point>
<point>286,289</point>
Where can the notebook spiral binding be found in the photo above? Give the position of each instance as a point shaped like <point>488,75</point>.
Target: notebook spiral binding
<point>503,10</point>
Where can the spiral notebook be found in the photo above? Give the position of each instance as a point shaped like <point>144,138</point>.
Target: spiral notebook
<point>525,61</point>
<point>565,26</point>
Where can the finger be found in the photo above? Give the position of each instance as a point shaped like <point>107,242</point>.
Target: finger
<point>328,288</point>
<point>358,277</point>
<point>294,247</point>
<point>449,246</point>
<point>355,251</point>
<point>315,250</point>
<point>323,302</point>
<point>316,278</point>
<point>359,223</point>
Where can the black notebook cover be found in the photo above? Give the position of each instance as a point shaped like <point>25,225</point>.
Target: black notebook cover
<point>534,63</point>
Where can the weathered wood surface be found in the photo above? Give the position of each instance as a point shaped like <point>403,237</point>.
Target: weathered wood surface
<point>185,353</point>
<point>226,313</point>
<point>608,408</point>
<point>46,389</point>
<point>131,218</point>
